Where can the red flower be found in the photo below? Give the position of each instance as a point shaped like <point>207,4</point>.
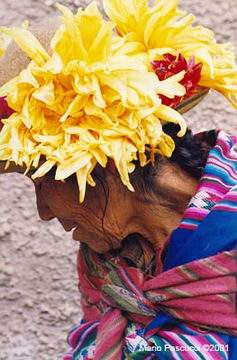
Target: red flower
<point>5,110</point>
<point>172,65</point>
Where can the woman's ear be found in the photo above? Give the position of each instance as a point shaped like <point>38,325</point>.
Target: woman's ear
<point>14,60</point>
<point>208,141</point>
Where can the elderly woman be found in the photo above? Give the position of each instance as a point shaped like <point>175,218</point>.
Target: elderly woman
<point>157,265</point>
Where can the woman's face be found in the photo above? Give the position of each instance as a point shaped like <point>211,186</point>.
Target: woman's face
<point>110,212</point>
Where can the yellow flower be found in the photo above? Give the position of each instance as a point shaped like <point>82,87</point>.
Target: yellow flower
<point>88,101</point>
<point>163,28</point>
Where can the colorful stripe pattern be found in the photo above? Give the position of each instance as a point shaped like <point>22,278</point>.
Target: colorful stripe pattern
<point>188,311</point>
<point>220,177</point>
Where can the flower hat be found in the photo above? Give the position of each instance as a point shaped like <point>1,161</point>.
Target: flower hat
<point>107,86</point>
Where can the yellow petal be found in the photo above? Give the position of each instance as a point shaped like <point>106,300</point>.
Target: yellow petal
<point>171,87</point>
<point>45,93</point>
<point>166,145</point>
<point>166,113</point>
<point>101,46</point>
<point>44,169</point>
<point>82,176</point>
<point>71,166</point>
<point>28,43</point>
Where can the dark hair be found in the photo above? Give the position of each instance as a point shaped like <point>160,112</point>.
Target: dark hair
<point>191,151</point>
<point>190,154</point>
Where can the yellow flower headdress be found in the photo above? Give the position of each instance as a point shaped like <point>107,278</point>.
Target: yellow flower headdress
<point>98,95</point>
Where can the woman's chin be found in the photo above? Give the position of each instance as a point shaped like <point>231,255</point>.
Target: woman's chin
<point>96,240</point>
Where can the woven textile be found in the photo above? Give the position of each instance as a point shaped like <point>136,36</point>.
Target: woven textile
<point>133,310</point>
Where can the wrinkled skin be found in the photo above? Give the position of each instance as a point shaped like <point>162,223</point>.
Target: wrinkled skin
<point>104,220</point>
